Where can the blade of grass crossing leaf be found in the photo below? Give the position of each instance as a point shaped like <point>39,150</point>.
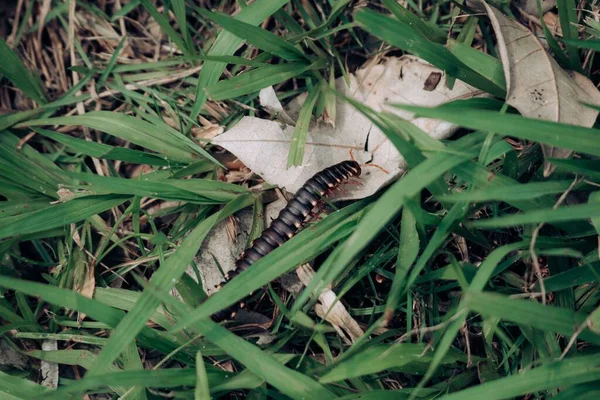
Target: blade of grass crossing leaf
<point>408,149</point>
<point>164,279</point>
<point>14,70</point>
<point>471,171</point>
<point>201,392</point>
<point>296,155</point>
<point>480,62</point>
<point>408,39</point>
<point>226,44</point>
<point>572,137</point>
<point>261,38</point>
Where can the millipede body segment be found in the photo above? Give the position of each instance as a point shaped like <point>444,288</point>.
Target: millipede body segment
<point>291,218</point>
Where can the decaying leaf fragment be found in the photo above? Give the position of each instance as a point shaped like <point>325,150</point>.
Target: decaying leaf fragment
<point>263,145</point>
<point>536,85</point>
<point>331,309</point>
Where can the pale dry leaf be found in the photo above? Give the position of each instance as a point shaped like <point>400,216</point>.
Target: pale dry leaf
<point>531,7</point>
<point>220,246</point>
<point>269,101</point>
<point>553,24</point>
<point>49,370</point>
<point>536,85</point>
<point>10,357</point>
<point>263,145</point>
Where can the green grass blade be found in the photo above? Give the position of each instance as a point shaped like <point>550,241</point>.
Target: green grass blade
<point>572,277</point>
<point>408,250</point>
<point>226,44</point>
<point>480,62</point>
<point>201,191</point>
<point>170,144</point>
<point>567,16</point>
<point>17,388</point>
<point>589,168</point>
<point>57,215</point>
<point>14,70</point>
<point>572,137</point>
<point>585,44</point>
<point>100,312</point>
<point>202,390</point>
<point>104,151</point>
<point>256,36</point>
<point>548,215</point>
<point>408,39</point>
<point>111,63</point>
<point>255,80</point>
<point>483,275</point>
<point>428,30</point>
<point>570,371</point>
<point>378,358</point>
<point>510,193</point>
<point>296,155</point>
<point>530,313</point>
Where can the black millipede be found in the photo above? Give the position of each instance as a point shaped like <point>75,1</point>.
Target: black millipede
<point>291,219</point>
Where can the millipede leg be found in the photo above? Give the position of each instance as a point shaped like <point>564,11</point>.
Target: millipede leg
<point>385,171</point>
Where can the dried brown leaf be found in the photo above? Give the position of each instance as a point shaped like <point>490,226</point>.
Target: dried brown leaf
<point>536,85</point>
